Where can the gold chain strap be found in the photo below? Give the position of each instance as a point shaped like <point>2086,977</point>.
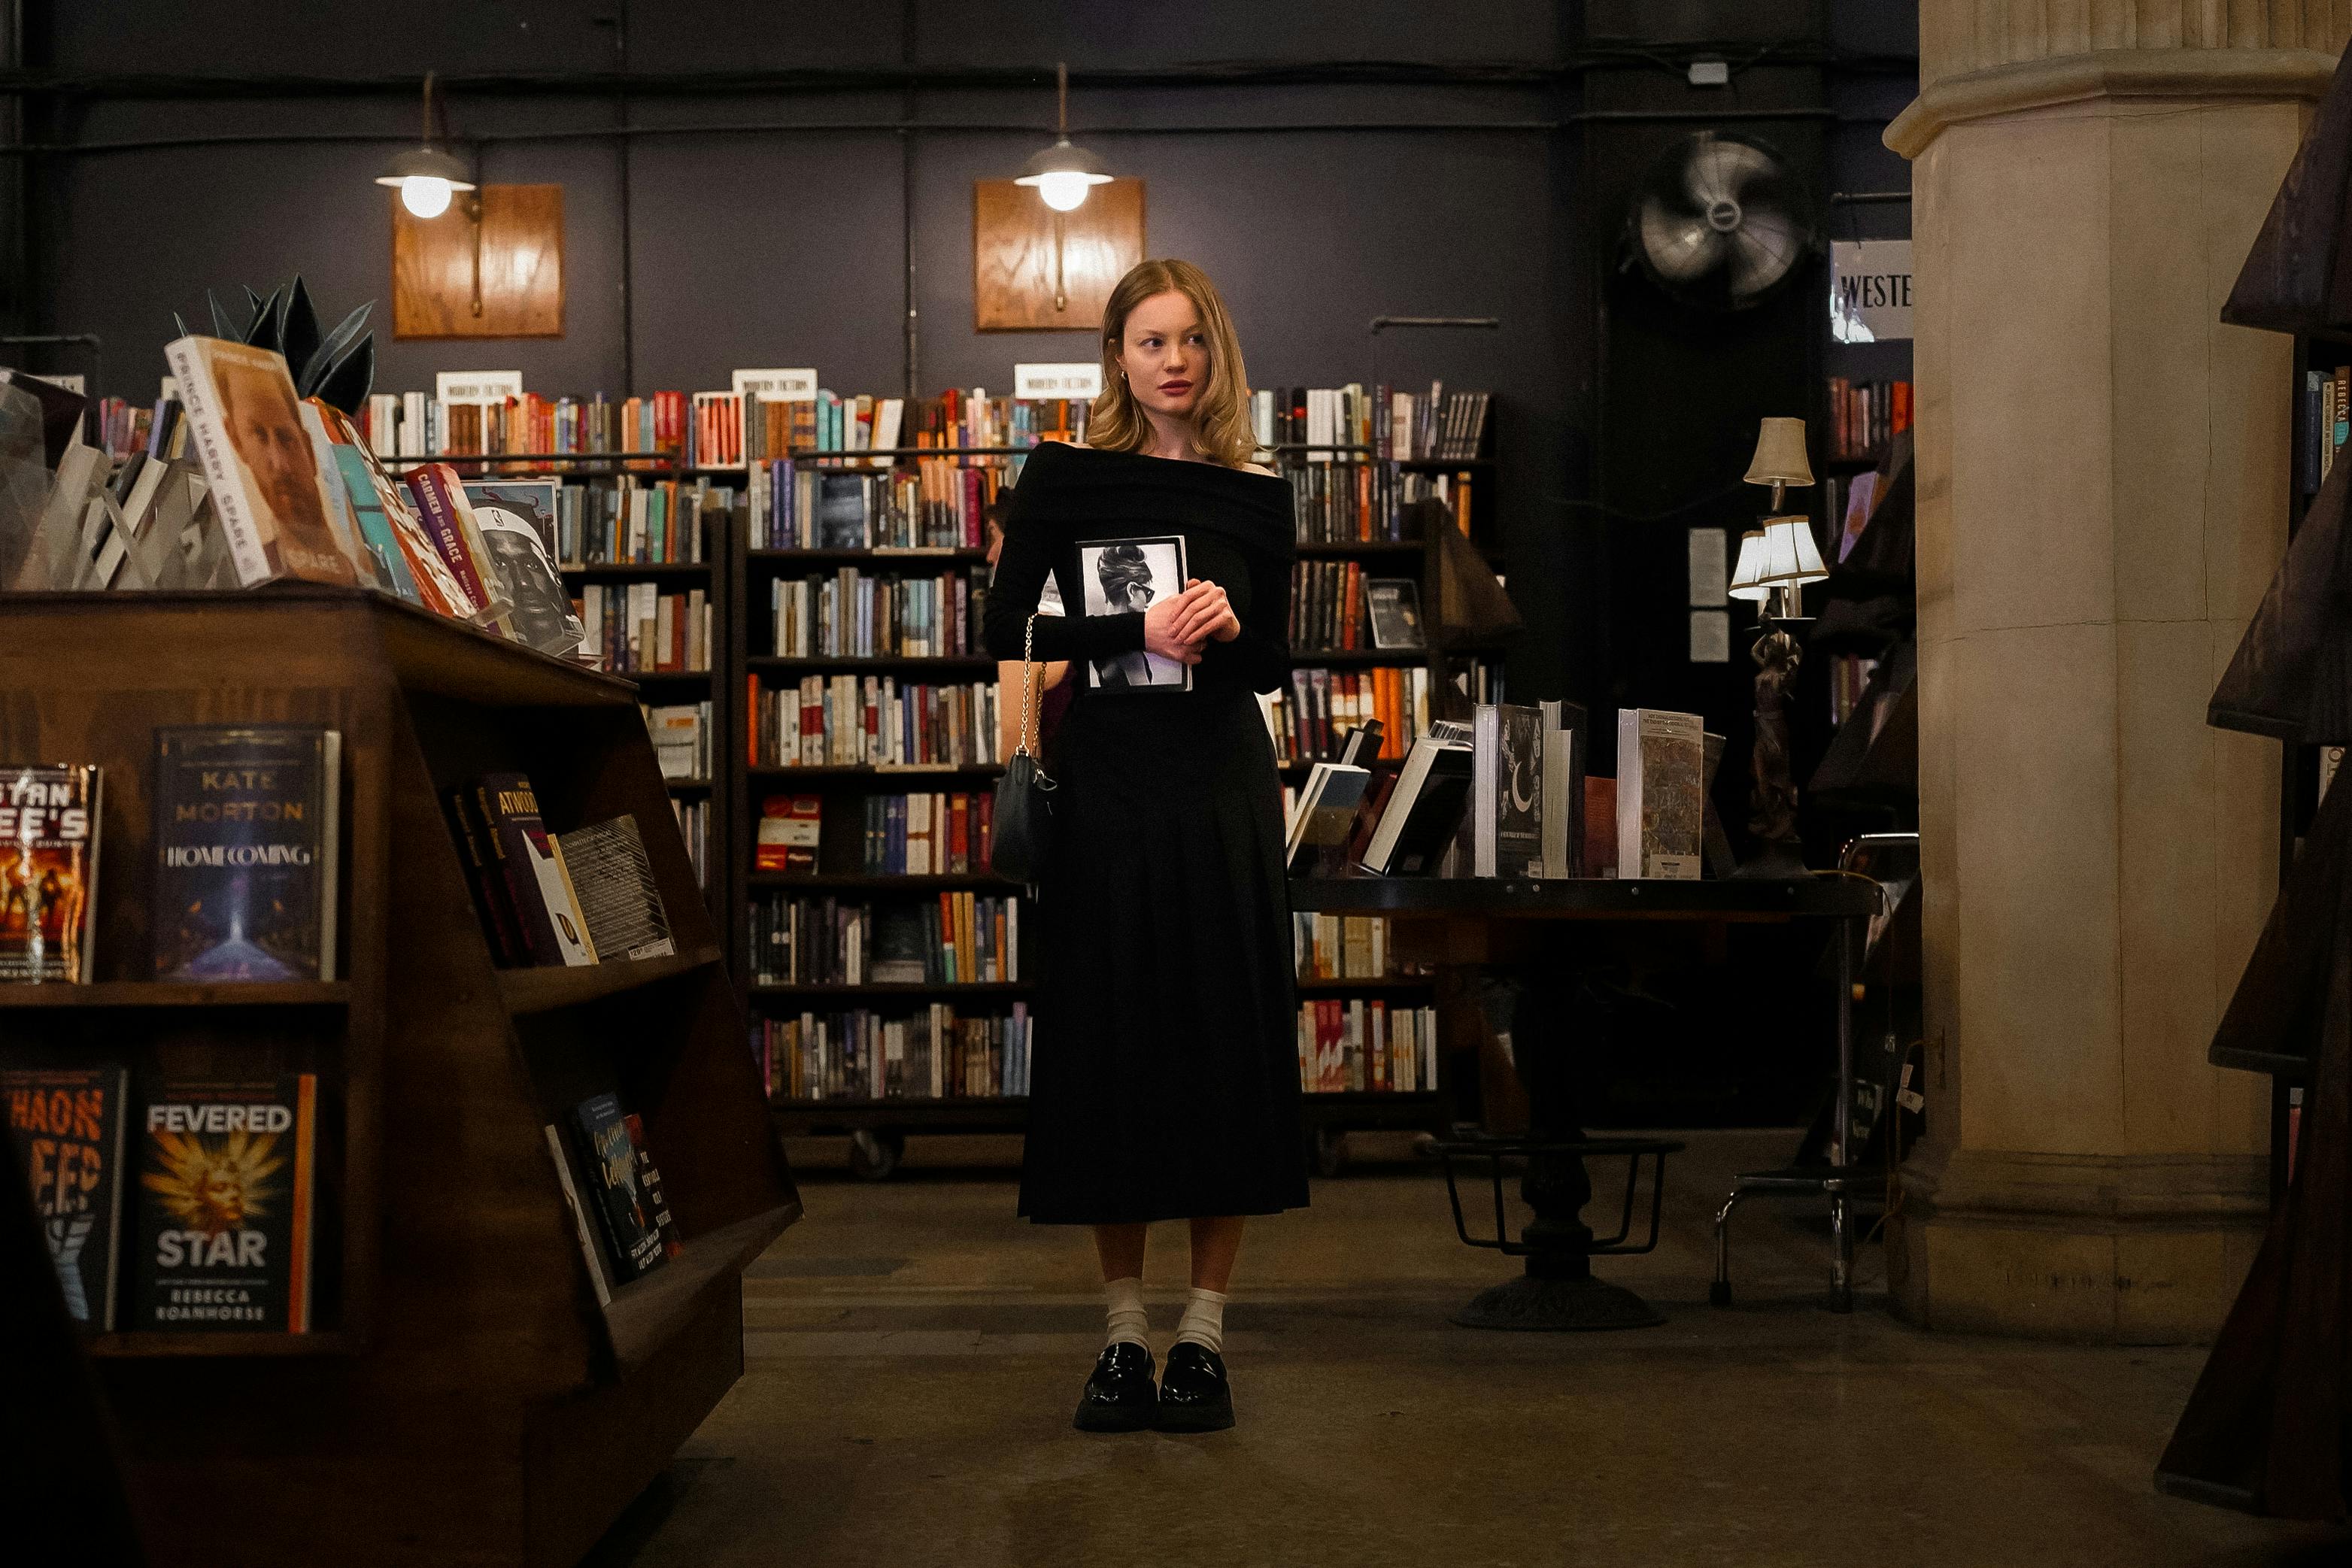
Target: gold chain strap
<point>1028,715</point>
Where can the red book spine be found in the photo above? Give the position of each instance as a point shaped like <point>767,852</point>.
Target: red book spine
<point>435,485</point>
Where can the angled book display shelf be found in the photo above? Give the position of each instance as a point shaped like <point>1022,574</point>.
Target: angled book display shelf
<point>462,1393</point>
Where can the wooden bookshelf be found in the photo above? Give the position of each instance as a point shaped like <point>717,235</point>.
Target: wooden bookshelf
<point>463,1398</point>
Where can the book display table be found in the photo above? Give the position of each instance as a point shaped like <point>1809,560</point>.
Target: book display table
<point>465,1393</point>
<point>1479,920</point>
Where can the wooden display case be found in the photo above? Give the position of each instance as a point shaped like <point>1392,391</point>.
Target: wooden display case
<point>465,1398</point>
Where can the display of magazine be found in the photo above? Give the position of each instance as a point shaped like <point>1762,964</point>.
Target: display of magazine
<point>1128,577</point>
<point>65,1131</point>
<point>517,518</point>
<point>48,872</point>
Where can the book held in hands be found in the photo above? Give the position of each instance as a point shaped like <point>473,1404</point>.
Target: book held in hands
<point>1128,577</point>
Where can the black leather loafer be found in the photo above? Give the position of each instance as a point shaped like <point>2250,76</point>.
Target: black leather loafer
<point>1194,1395</point>
<point>1119,1396</point>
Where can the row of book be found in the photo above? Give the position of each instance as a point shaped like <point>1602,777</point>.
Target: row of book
<point>417,425</point>
<point>1342,947</point>
<point>848,721</point>
<point>1355,502</point>
<point>933,503</point>
<point>627,520</point>
<point>936,834</point>
<point>245,823</point>
<point>854,614</point>
<point>682,740</point>
<point>1312,718</point>
<point>952,939</point>
<point>296,493</point>
<point>956,418</point>
<point>555,899</point>
<point>937,1053</point>
<point>1335,606</point>
<point>1393,425</point>
<point>220,1176</point>
<point>1865,416</point>
<point>631,628</point>
<point>1351,1046</point>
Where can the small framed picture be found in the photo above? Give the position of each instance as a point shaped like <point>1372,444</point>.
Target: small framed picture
<point>1394,605</point>
<point>1128,577</point>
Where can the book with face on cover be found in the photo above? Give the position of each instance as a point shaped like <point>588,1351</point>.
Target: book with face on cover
<point>48,872</point>
<point>1128,577</point>
<point>517,524</point>
<point>227,1199</point>
<point>265,486</point>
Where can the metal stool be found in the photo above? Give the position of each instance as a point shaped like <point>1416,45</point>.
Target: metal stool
<point>1833,1182</point>
<point>1559,1291</point>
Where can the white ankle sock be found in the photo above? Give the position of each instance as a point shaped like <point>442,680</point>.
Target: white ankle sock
<point>1203,1322</point>
<point>1128,1320</point>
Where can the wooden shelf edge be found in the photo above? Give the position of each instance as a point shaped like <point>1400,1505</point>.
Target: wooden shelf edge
<point>644,1313</point>
<point>138,1343</point>
<point>179,993</point>
<point>543,989</point>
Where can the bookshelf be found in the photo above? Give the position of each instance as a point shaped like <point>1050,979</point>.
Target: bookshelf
<point>466,1398</point>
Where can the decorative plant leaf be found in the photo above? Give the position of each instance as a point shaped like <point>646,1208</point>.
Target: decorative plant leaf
<point>222,326</point>
<point>346,383</point>
<point>180,328</point>
<point>262,333</point>
<point>253,304</point>
<point>298,326</point>
<point>314,369</point>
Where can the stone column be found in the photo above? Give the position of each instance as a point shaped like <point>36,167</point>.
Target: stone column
<point>2102,483</point>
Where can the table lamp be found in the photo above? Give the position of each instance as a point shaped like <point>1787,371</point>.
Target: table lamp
<point>1775,563</point>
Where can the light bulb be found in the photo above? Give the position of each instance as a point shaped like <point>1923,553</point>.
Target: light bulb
<point>1063,190</point>
<point>424,195</point>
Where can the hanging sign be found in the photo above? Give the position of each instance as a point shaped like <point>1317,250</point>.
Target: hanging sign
<point>1075,379</point>
<point>1870,291</point>
<point>476,386</point>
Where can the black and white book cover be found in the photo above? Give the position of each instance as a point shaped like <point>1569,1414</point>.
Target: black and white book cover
<point>1508,773</point>
<point>1394,604</point>
<point>1128,577</point>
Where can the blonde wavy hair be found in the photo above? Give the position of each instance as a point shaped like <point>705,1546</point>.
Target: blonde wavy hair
<point>1221,419</point>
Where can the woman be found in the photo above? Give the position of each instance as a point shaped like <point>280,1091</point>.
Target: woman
<point>1165,1085</point>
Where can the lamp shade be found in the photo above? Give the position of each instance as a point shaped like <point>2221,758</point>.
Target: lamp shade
<point>1748,575</point>
<point>1780,455</point>
<point>1786,554</point>
<point>1063,173</point>
<point>427,163</point>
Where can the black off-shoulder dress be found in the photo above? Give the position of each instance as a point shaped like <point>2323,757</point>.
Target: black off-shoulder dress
<point>1165,1080</point>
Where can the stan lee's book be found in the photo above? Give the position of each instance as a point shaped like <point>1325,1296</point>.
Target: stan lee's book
<point>65,1130</point>
<point>48,872</point>
<point>246,856</point>
<point>227,1183</point>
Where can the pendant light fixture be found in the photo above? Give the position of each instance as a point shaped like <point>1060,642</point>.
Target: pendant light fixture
<point>1063,173</point>
<point>427,177</point>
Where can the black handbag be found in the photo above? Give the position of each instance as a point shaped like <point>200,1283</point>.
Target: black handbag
<point>1021,837</point>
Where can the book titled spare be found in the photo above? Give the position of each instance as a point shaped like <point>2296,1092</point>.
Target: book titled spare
<point>246,836</point>
<point>65,1130</point>
<point>227,1199</point>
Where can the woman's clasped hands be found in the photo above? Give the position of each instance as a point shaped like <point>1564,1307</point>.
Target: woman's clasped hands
<point>1179,627</point>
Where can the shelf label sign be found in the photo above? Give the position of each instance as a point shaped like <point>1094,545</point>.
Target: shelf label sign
<point>476,386</point>
<point>1870,291</point>
<point>776,386</point>
<point>1074,380</point>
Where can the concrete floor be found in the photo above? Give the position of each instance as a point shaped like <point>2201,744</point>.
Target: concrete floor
<point>913,1353</point>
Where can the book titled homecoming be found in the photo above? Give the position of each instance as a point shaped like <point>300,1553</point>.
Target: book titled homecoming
<point>247,832</point>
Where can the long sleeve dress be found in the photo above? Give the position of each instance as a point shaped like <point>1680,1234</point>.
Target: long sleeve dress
<point>1165,1079</point>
